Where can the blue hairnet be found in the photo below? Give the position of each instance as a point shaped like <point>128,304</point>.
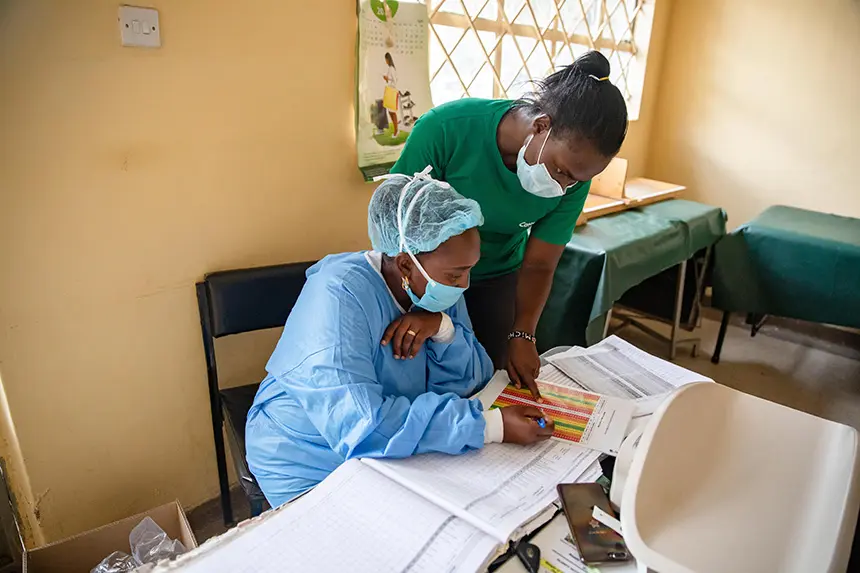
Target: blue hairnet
<point>438,214</point>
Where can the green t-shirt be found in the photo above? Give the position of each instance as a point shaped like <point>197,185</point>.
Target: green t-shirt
<point>459,140</point>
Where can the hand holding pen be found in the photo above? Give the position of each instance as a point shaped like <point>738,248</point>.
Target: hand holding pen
<point>525,425</point>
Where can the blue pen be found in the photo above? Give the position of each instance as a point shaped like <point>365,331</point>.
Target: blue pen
<point>541,422</point>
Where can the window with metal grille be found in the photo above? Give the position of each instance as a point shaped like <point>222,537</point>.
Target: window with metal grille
<point>494,48</point>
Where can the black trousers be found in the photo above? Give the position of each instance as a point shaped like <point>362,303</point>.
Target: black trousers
<point>492,305</point>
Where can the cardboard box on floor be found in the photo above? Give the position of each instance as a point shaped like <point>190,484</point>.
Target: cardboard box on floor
<point>79,554</point>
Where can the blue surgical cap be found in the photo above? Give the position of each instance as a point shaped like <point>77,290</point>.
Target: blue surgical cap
<point>432,211</point>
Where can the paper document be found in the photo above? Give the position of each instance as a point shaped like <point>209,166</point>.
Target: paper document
<point>422,514</point>
<point>550,373</point>
<point>592,474</point>
<point>585,418</point>
<point>357,520</point>
<point>498,487</point>
<point>616,368</point>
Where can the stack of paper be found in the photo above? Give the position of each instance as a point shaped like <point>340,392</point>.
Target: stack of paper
<point>425,513</point>
<point>616,368</point>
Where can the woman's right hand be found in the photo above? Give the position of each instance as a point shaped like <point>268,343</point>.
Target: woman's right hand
<point>521,425</point>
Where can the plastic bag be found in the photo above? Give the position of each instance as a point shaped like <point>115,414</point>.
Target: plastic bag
<point>116,562</point>
<point>149,543</point>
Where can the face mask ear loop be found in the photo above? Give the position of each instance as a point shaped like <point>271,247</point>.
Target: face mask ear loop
<point>401,216</point>
<point>540,153</point>
<point>529,140</point>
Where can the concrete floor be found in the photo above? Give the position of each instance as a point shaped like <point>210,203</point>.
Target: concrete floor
<point>808,367</point>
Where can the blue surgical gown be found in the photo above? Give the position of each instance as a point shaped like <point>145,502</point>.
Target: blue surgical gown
<point>333,392</point>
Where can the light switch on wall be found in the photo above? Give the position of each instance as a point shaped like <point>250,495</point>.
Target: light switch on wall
<point>139,27</point>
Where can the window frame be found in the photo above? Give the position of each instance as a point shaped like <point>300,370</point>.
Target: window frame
<point>627,56</point>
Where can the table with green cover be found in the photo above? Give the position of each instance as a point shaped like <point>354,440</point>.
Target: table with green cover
<point>792,263</point>
<point>611,254</point>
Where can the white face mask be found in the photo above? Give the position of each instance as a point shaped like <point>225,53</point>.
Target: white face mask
<point>536,178</point>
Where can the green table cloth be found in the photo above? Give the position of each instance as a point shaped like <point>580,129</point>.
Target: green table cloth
<point>793,263</point>
<point>611,254</point>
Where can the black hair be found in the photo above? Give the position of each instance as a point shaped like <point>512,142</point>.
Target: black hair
<point>389,60</point>
<point>580,100</point>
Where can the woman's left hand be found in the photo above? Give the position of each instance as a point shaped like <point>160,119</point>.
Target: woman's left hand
<point>524,364</point>
<point>408,332</point>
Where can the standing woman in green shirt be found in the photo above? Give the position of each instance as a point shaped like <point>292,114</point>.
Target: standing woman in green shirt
<point>529,164</point>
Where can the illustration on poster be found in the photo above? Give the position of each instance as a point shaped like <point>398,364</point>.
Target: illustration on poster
<point>378,8</point>
<point>393,81</point>
<point>399,106</point>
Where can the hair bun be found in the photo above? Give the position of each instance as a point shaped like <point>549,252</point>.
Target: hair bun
<point>592,63</point>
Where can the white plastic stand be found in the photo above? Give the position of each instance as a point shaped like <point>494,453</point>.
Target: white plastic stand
<point>724,481</point>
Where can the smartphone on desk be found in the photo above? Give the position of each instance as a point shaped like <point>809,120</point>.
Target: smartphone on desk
<point>596,542</point>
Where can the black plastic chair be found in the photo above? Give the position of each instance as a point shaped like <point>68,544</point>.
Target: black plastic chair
<point>233,302</point>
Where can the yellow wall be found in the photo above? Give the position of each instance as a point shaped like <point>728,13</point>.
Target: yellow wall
<point>126,174</point>
<point>759,104</point>
<point>635,148</point>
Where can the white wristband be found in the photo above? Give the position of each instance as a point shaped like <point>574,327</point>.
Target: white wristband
<point>495,428</point>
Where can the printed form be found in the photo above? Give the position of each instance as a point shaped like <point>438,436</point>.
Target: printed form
<point>585,418</point>
<point>499,487</point>
<point>614,367</point>
<point>357,520</point>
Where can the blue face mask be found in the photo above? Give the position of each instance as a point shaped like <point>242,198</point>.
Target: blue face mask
<point>437,296</point>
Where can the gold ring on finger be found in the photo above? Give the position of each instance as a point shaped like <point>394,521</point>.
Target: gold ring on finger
<point>412,332</point>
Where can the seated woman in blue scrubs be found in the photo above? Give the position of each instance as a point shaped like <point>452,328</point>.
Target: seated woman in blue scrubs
<point>354,376</point>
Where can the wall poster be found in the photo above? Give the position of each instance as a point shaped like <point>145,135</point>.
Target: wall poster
<point>392,80</point>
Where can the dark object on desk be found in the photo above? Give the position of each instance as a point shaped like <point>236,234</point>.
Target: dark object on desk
<point>234,302</point>
<point>529,555</point>
<point>520,549</point>
<point>791,263</point>
<point>607,466</point>
<point>854,560</point>
<point>596,542</point>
